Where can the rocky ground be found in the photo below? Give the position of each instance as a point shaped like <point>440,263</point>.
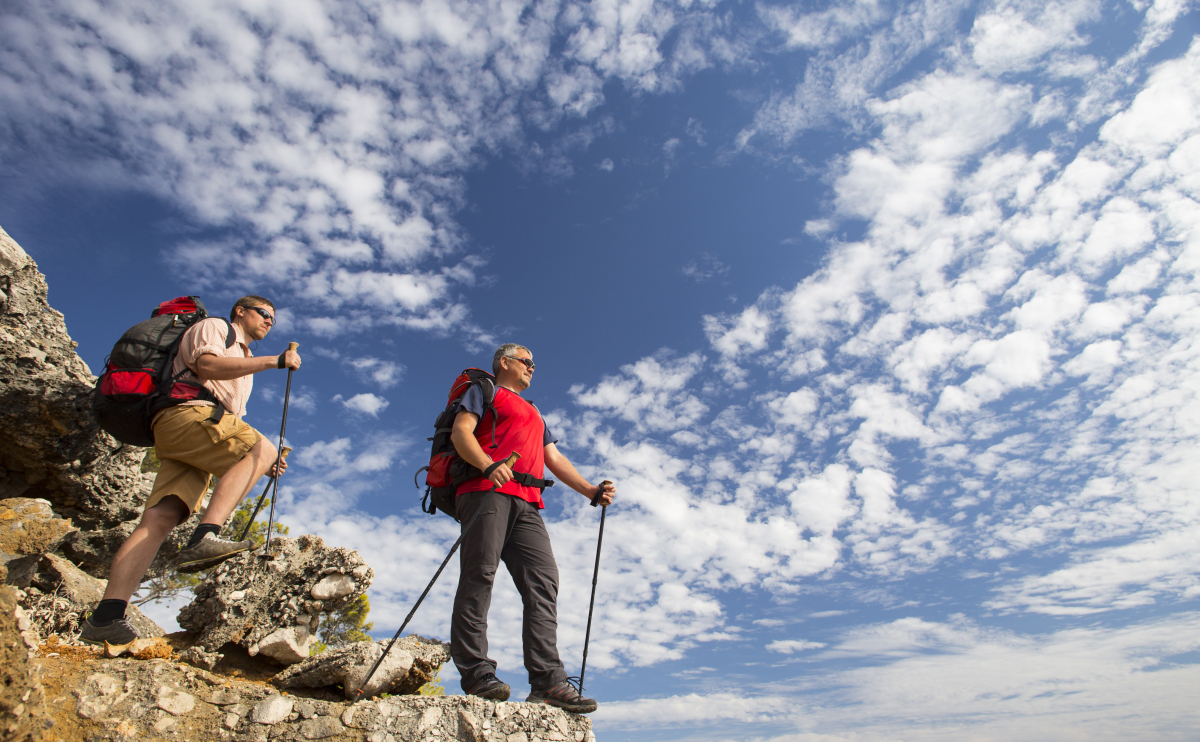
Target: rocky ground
<point>241,670</point>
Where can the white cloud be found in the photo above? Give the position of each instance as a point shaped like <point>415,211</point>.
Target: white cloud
<point>791,646</point>
<point>366,404</point>
<point>384,373</point>
<point>331,138</point>
<point>949,681</point>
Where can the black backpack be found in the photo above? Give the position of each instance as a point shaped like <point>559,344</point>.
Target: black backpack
<point>137,381</point>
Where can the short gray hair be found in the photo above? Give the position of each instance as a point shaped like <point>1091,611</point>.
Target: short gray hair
<point>503,352</point>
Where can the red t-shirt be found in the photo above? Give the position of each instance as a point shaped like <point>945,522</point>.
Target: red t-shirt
<point>519,428</point>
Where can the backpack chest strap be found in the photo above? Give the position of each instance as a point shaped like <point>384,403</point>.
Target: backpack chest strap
<point>531,481</point>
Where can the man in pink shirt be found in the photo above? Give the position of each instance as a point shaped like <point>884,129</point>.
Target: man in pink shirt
<point>195,440</point>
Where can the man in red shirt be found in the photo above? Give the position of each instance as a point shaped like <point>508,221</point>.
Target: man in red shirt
<point>512,531</point>
<point>193,442</point>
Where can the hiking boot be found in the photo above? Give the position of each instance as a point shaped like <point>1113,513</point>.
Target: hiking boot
<point>210,552</point>
<point>565,696</point>
<point>119,631</point>
<point>490,687</point>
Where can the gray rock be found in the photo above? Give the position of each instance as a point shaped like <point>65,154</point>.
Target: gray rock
<point>51,574</point>
<point>249,598</point>
<point>50,445</point>
<point>333,586</point>
<point>271,710</point>
<point>198,657</point>
<point>29,527</point>
<point>288,645</point>
<point>98,694</point>
<point>175,701</point>
<point>410,664</point>
<point>123,695</point>
<point>222,697</point>
<point>321,727</point>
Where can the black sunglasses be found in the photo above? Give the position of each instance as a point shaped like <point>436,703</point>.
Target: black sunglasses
<point>528,363</point>
<point>263,313</point>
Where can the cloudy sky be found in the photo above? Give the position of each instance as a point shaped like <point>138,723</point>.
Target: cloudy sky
<point>881,315</point>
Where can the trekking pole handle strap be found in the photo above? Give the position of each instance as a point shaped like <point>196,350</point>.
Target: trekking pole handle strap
<point>599,493</point>
<point>512,459</point>
<point>291,347</point>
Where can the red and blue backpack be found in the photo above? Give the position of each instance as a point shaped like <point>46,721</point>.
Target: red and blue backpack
<point>446,470</point>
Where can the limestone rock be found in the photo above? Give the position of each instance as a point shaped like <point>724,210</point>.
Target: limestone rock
<point>197,657</point>
<point>332,586</point>
<point>70,588</point>
<point>250,598</point>
<point>271,710</point>
<point>413,661</point>
<point>289,645</point>
<point>124,699</point>
<point>29,527</point>
<point>50,445</point>
<point>175,701</point>
<point>23,713</point>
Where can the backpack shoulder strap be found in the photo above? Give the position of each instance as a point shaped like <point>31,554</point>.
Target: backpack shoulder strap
<point>230,334</point>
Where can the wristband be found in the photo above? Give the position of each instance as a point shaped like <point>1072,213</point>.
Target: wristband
<point>279,361</point>
<point>599,493</point>
<point>487,473</point>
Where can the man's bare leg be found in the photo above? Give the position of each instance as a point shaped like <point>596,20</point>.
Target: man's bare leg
<point>237,482</point>
<point>135,555</point>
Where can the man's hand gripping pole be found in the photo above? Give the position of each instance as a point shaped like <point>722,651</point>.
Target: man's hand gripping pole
<point>509,462</point>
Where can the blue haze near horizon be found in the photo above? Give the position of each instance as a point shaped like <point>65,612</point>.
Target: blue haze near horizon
<point>881,315</point>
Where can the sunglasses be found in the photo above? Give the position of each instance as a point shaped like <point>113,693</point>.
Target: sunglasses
<point>263,313</point>
<point>528,363</point>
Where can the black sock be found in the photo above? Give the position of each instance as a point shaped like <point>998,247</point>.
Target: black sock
<point>202,529</point>
<point>107,611</point>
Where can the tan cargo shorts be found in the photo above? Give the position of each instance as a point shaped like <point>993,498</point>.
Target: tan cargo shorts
<point>192,449</point>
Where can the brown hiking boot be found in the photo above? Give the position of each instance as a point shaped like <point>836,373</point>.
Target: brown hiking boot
<point>210,552</point>
<point>565,696</point>
<point>490,687</point>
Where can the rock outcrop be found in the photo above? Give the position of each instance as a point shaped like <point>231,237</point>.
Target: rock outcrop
<point>50,445</point>
<point>412,662</point>
<point>53,591</point>
<point>272,604</point>
<point>126,699</point>
<point>23,714</point>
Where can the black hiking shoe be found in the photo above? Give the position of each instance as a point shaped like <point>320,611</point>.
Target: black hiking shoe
<point>565,696</point>
<point>490,687</point>
<point>116,632</point>
<point>210,552</point>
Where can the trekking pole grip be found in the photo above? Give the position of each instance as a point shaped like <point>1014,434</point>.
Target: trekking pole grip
<point>599,493</point>
<point>291,348</point>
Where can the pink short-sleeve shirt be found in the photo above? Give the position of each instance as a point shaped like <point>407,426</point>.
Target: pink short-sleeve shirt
<point>207,337</point>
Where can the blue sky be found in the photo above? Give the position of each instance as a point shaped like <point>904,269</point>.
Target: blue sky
<point>881,315</point>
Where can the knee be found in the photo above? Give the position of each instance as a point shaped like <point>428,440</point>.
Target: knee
<point>264,452</point>
<point>165,516</point>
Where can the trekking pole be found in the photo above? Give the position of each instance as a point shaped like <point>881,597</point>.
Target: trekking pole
<point>512,459</point>
<point>595,574</point>
<point>258,505</point>
<point>274,483</point>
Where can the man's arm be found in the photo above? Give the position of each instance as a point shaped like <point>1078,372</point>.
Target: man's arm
<point>462,435</point>
<point>568,475</point>
<point>218,368</point>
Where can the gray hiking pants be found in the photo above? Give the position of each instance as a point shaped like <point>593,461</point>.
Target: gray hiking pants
<point>515,534</point>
